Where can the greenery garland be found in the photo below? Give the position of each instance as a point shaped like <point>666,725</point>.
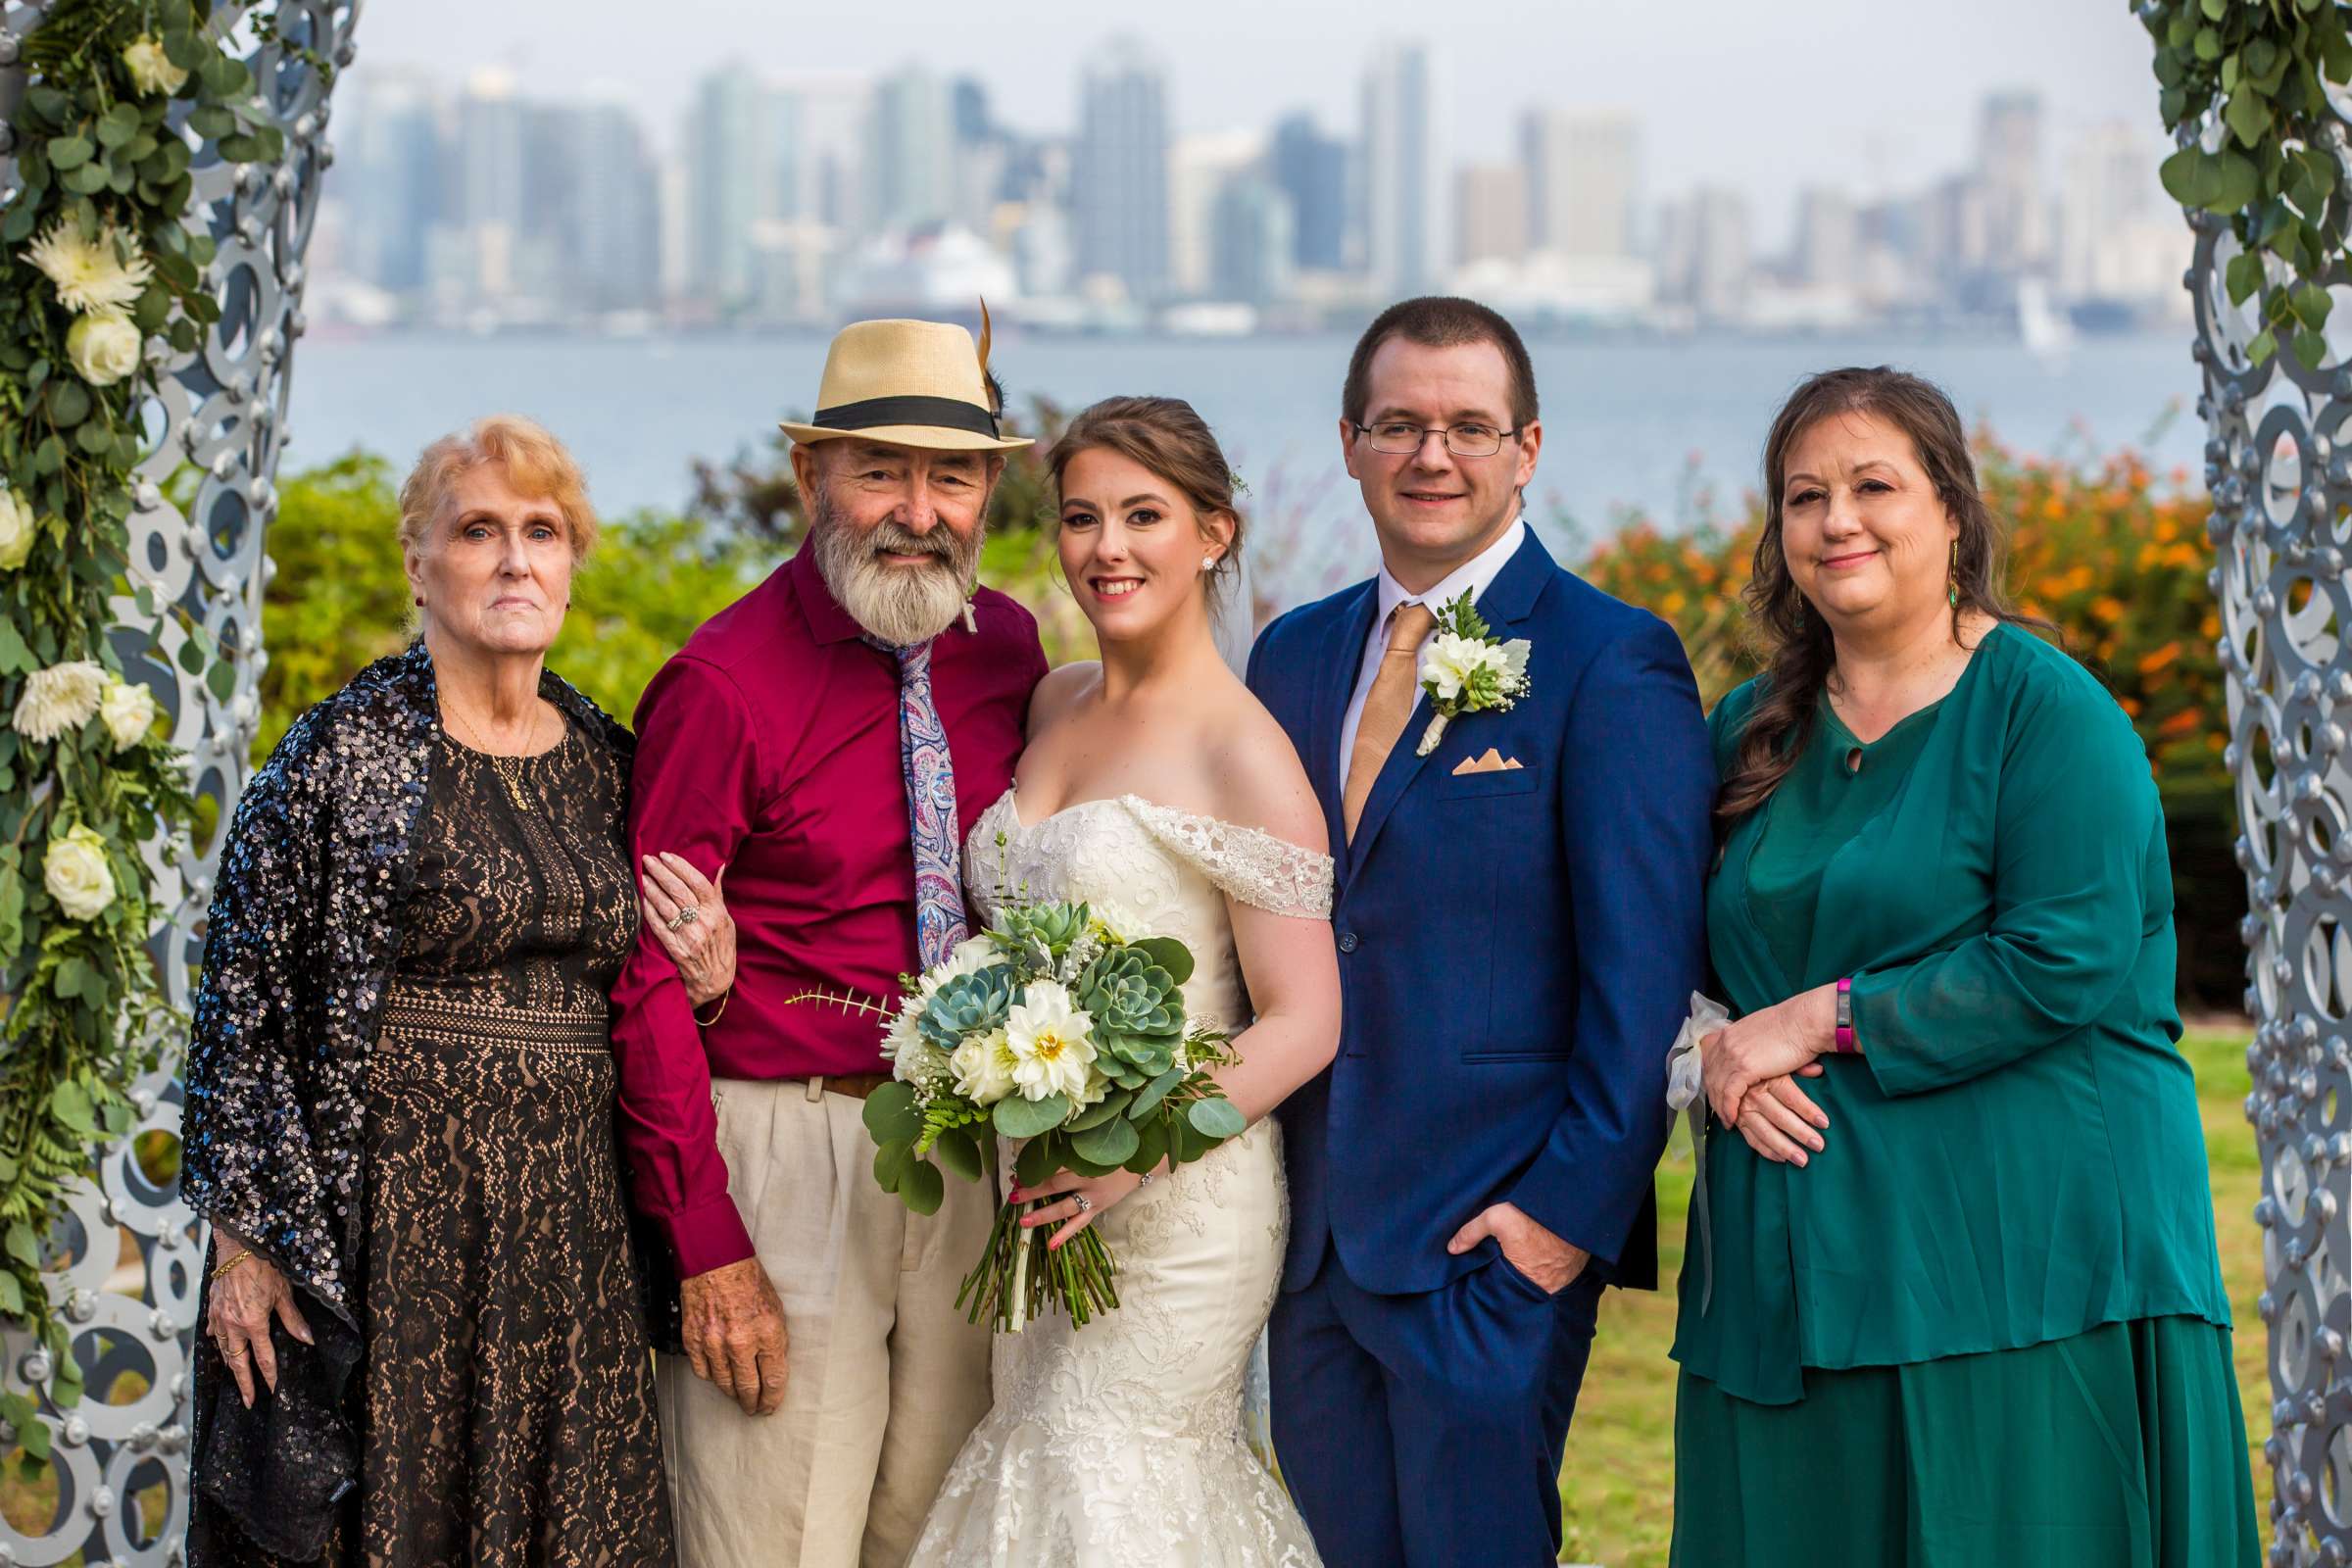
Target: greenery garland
<point>98,261</point>
<point>2256,72</point>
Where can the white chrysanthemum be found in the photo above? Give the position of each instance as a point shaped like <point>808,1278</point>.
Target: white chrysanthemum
<point>91,274</point>
<point>15,530</point>
<point>151,69</point>
<point>104,347</point>
<point>58,699</point>
<point>1052,1043</point>
<point>77,876</point>
<point>127,710</point>
<point>968,956</point>
<point>983,1067</point>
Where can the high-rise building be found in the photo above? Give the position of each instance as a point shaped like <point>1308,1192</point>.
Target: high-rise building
<point>1580,168</point>
<point>1251,241</point>
<point>1404,228</point>
<point>613,233</point>
<point>1490,206</point>
<point>1120,178</point>
<point>2017,227</point>
<point>912,149</point>
<point>1311,170</point>
<point>2120,239</point>
<point>1704,252</point>
<point>1829,239</point>
<point>1200,168</point>
<point>731,156</point>
<point>391,176</point>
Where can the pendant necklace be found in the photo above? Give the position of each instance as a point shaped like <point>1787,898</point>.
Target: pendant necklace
<point>507,768</point>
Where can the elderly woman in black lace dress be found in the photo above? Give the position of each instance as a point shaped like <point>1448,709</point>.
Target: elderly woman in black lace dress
<point>422,1335</point>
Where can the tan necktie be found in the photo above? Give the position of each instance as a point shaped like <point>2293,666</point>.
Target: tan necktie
<point>1394,690</point>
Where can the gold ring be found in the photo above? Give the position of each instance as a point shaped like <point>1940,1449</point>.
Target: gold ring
<point>232,1355</point>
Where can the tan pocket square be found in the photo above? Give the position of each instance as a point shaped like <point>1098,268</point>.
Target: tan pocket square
<point>1493,763</point>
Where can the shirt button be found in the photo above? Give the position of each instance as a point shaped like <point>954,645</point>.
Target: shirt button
<point>1347,941</point>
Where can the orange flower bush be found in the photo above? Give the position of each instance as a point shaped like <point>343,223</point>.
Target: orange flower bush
<point>2117,562</point>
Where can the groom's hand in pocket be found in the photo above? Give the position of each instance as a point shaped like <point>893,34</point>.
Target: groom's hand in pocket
<point>1552,1263</point>
<point>732,1322</point>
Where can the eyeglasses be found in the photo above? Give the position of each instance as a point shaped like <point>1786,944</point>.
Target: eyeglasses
<point>1400,439</point>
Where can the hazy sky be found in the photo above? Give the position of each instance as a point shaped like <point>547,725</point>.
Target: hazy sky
<point>1762,94</point>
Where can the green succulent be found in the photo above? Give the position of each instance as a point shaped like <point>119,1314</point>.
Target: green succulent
<point>1138,1014</point>
<point>968,1004</point>
<point>1052,926</point>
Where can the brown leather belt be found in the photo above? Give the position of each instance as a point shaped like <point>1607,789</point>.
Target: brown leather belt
<point>857,1085</point>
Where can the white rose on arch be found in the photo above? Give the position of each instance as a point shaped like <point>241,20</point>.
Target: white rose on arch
<point>17,530</point>
<point>60,700</point>
<point>77,874</point>
<point>104,347</point>
<point>127,710</point>
<point>151,69</point>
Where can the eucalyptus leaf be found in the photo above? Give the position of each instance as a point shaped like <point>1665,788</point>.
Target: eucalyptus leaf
<point>69,402</point>
<point>1037,1161</point>
<point>2248,117</point>
<point>69,152</point>
<point>221,680</point>
<point>1102,1111</point>
<point>1110,1144</point>
<point>211,121</point>
<point>892,1162</point>
<point>922,1189</point>
<point>2261,346</point>
<point>2243,275</point>
<point>959,1151</point>
<point>117,125</point>
<point>1151,1145</point>
<point>24,1245</point>
<point>1016,1117</point>
<point>1217,1118</point>
<point>891,1113</point>
<point>1148,1098</point>
<point>2311,348</point>
<point>87,180</point>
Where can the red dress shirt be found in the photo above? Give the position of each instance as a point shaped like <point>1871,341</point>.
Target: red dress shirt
<point>770,745</point>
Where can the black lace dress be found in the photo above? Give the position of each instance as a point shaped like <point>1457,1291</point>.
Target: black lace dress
<point>508,1393</point>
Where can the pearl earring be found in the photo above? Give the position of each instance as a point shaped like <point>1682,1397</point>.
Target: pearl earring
<point>1208,563</point>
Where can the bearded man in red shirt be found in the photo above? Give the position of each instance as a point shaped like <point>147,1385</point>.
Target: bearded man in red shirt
<point>822,740</point>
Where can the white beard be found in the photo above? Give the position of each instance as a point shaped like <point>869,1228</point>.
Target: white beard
<point>899,605</point>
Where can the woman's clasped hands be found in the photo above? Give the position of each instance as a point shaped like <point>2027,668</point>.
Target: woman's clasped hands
<point>1750,1067</point>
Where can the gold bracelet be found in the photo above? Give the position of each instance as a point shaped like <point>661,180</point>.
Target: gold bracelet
<point>232,1262</point>
<point>722,1009</point>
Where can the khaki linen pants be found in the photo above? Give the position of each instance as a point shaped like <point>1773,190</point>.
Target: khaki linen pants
<point>884,1377</point>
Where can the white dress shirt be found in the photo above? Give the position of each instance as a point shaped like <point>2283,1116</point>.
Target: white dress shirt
<point>1475,576</point>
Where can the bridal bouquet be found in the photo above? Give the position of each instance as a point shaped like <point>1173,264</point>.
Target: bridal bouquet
<point>1052,1029</point>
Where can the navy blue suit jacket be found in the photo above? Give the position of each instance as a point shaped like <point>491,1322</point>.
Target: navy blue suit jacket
<point>1517,949</point>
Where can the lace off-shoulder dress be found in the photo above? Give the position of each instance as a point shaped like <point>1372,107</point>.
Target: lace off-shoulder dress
<point>1121,1444</point>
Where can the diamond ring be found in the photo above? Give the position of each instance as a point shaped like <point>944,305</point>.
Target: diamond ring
<point>689,914</point>
<point>1086,1204</point>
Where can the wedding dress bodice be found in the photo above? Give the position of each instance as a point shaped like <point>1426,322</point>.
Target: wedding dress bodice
<point>1149,871</point>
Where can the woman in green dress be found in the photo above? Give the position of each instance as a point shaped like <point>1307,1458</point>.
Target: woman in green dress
<point>1964,1305</point>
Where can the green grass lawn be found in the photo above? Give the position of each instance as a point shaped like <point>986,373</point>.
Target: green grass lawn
<point>1617,1489</point>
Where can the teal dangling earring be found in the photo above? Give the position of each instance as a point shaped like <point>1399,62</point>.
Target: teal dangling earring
<point>1951,591</point>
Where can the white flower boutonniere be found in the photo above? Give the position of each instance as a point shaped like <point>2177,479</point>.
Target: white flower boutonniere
<point>1466,670</point>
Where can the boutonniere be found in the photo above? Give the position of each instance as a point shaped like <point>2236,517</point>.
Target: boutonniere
<point>1466,669</point>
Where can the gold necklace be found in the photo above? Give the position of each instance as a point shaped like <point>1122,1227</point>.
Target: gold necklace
<point>507,768</point>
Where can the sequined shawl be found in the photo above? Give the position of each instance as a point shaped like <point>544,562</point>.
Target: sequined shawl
<point>297,952</point>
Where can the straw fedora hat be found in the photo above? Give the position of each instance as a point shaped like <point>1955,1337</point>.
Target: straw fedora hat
<point>909,383</point>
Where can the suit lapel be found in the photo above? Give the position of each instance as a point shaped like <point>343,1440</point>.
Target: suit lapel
<point>1508,601</point>
<point>1335,686</point>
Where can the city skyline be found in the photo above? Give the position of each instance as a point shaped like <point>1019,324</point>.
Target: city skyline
<point>794,199</point>
<point>1850,92</point>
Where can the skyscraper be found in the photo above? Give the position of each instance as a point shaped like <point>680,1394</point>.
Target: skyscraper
<point>912,149</point>
<point>2017,227</point>
<point>731,153</point>
<point>1251,242</point>
<point>1490,207</point>
<point>1580,180</point>
<point>1119,185</point>
<point>1311,170</point>
<point>392,176</point>
<point>1829,239</point>
<point>1403,229</point>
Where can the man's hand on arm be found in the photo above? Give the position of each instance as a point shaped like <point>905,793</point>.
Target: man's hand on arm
<point>733,1328</point>
<point>1553,1264</point>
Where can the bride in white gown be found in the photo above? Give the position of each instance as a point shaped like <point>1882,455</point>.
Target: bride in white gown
<point>1156,789</point>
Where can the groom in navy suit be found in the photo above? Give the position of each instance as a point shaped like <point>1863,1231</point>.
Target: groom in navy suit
<point>1520,925</point>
